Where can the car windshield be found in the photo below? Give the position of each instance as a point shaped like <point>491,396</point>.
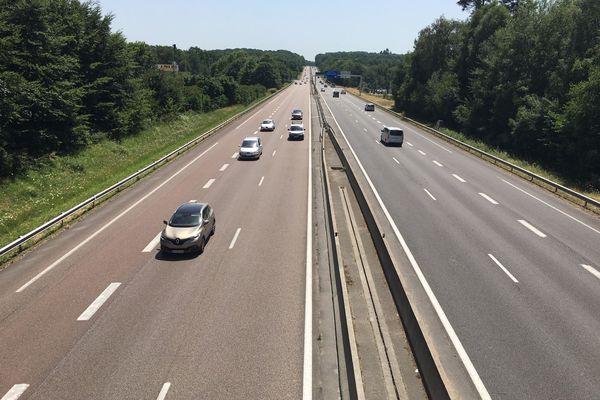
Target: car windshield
<point>184,219</point>
<point>296,112</point>
<point>249,143</point>
<point>267,122</point>
<point>296,128</point>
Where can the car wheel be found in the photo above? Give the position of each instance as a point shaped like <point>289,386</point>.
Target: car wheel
<point>201,246</point>
<point>214,228</point>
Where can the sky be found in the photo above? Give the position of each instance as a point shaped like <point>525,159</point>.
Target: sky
<point>307,27</point>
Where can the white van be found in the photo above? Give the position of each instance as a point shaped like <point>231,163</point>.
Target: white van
<point>391,135</point>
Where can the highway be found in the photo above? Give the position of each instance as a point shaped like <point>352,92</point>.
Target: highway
<point>98,312</point>
<point>513,267</point>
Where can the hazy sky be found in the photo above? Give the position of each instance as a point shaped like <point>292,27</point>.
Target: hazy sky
<point>305,27</point>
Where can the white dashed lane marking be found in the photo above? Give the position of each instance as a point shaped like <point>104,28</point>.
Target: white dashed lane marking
<point>15,392</point>
<point>208,184</point>
<point>532,228</point>
<point>235,237</point>
<point>100,300</point>
<point>438,164</point>
<point>430,195</point>
<point>224,167</point>
<point>234,155</point>
<point>458,178</point>
<point>591,270</point>
<point>422,152</point>
<point>488,198</point>
<point>503,269</point>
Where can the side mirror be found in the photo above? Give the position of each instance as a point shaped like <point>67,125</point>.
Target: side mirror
<point>165,222</point>
<point>382,130</point>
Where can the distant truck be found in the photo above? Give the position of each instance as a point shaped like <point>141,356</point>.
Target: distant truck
<point>336,93</point>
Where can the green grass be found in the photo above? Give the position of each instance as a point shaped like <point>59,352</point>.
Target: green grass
<point>61,182</point>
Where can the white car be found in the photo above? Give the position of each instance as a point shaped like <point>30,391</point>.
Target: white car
<point>251,147</point>
<point>296,131</point>
<point>267,125</point>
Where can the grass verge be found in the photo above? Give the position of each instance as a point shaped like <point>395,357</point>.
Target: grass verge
<point>59,183</point>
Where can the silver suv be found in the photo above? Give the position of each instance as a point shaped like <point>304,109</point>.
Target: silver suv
<point>188,229</point>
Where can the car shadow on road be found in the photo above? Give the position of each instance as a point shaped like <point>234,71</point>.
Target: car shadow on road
<point>162,256</point>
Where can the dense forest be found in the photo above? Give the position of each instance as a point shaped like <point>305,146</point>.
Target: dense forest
<point>67,80</point>
<point>378,70</point>
<point>521,75</point>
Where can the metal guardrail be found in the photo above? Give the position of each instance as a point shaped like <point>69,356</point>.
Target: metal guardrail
<point>532,177</point>
<point>18,243</point>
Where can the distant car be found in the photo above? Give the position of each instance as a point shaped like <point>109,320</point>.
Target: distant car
<point>297,114</point>
<point>251,147</point>
<point>189,229</point>
<point>343,91</point>
<point>267,125</point>
<point>369,107</point>
<point>295,83</point>
<point>325,85</point>
<point>336,93</point>
<point>392,135</point>
<point>322,89</point>
<point>296,131</point>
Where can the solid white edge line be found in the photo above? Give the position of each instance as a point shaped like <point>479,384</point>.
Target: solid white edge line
<point>235,236</point>
<point>552,207</point>
<point>488,198</point>
<point>532,228</point>
<point>591,270</point>
<point>93,235</point>
<point>15,392</point>
<point>503,268</point>
<point>163,391</point>
<point>261,181</point>
<point>152,245</point>
<point>209,183</point>
<point>430,195</point>
<point>462,353</point>
<point>307,370</point>
<point>100,300</point>
<point>458,178</point>
<point>224,167</point>
<point>438,163</point>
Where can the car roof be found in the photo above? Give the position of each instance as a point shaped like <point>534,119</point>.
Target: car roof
<point>393,128</point>
<point>267,120</point>
<point>251,138</point>
<point>190,207</point>
<point>301,125</point>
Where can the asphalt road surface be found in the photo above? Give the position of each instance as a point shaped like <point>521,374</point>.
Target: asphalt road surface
<point>514,268</point>
<point>97,312</point>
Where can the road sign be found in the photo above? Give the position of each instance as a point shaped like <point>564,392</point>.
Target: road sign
<point>345,74</point>
<point>330,74</point>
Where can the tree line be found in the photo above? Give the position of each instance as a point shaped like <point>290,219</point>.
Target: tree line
<point>67,80</point>
<point>378,70</point>
<point>520,75</point>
